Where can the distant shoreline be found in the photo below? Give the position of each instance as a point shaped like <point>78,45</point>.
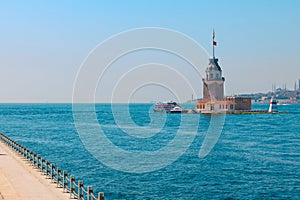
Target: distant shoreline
<point>280,101</point>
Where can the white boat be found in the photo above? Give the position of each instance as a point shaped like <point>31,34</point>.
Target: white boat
<point>164,107</point>
<point>176,109</point>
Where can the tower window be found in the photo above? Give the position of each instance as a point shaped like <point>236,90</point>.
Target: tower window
<point>211,75</point>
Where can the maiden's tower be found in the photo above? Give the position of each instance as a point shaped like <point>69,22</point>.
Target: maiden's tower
<point>214,100</point>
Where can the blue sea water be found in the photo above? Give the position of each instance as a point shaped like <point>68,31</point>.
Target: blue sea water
<point>257,155</point>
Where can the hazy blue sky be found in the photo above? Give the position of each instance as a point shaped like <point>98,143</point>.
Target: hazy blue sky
<point>43,43</point>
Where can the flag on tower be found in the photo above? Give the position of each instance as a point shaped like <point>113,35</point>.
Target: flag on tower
<point>213,36</point>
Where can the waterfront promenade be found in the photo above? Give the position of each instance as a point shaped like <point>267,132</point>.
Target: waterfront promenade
<point>19,180</point>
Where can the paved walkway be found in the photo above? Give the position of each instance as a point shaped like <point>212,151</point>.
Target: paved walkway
<point>20,181</point>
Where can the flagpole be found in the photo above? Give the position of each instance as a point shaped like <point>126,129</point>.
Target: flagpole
<point>213,37</point>
<point>213,50</point>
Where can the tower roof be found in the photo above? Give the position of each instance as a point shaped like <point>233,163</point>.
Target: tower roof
<point>214,65</point>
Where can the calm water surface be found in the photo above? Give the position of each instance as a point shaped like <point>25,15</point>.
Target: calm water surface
<point>257,156</point>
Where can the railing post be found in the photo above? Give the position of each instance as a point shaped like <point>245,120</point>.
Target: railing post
<point>19,148</point>
<point>100,196</point>
<point>43,165</point>
<point>58,175</point>
<point>72,180</point>
<point>89,192</point>
<point>27,154</point>
<point>47,168</point>
<point>52,170</point>
<point>32,157</point>
<point>80,185</point>
<point>64,180</point>
<point>14,145</point>
<point>38,162</point>
<point>23,151</point>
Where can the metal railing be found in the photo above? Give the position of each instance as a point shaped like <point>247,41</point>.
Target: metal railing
<point>58,176</point>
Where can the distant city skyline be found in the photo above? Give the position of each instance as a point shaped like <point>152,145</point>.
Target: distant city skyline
<point>44,43</point>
